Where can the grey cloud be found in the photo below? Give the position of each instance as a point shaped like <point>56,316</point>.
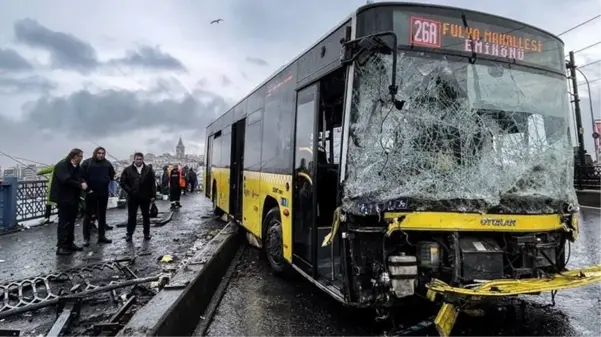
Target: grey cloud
<point>113,112</point>
<point>257,61</point>
<point>225,81</point>
<point>202,83</point>
<point>150,57</point>
<point>28,84</point>
<point>244,76</point>
<point>66,50</point>
<point>163,144</point>
<point>12,61</point>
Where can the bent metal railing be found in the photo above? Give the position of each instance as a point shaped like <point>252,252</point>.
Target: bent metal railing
<point>32,196</point>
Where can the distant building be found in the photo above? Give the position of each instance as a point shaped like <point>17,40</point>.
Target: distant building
<point>29,172</point>
<point>180,150</point>
<point>11,172</point>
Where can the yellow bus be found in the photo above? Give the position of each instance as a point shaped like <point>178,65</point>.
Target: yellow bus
<point>414,150</point>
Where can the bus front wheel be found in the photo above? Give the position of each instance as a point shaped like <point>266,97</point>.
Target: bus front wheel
<point>273,241</point>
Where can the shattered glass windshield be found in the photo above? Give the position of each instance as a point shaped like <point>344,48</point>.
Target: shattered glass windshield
<point>471,137</point>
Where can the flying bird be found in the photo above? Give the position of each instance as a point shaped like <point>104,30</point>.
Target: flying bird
<point>216,21</point>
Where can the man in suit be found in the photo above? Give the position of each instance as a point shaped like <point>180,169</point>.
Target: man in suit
<point>65,191</point>
<point>139,182</point>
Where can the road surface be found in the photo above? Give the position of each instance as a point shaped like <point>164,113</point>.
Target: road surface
<point>258,303</point>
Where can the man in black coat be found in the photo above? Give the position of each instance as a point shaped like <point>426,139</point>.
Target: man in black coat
<point>98,173</point>
<point>192,180</point>
<point>138,181</point>
<point>65,191</point>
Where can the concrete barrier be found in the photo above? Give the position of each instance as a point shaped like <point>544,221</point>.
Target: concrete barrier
<point>589,198</point>
<point>177,309</point>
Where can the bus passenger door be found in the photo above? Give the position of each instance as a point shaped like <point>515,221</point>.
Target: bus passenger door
<point>303,232</point>
<point>237,168</point>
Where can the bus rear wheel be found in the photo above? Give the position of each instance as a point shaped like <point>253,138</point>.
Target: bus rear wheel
<point>216,210</point>
<point>274,241</point>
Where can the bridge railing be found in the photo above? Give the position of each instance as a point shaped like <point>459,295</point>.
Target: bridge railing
<point>31,199</point>
<point>26,200</point>
<point>587,177</point>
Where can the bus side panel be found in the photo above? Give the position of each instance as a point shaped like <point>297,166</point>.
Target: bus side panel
<point>222,178</point>
<point>274,185</point>
<point>251,202</point>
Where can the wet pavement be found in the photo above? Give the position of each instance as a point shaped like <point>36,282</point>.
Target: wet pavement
<point>258,303</point>
<point>32,252</point>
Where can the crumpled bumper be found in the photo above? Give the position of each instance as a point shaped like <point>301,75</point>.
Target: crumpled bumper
<point>445,320</point>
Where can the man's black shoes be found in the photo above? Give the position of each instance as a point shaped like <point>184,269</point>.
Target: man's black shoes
<point>147,237</point>
<point>63,251</point>
<point>104,240</point>
<point>76,248</point>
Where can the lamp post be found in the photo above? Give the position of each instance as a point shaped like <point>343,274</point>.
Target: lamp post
<point>590,101</point>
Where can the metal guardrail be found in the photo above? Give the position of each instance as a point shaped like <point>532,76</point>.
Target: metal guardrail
<point>32,196</point>
<point>26,200</point>
<point>587,177</point>
<point>31,199</point>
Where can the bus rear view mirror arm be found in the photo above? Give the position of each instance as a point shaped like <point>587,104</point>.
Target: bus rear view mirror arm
<point>353,49</point>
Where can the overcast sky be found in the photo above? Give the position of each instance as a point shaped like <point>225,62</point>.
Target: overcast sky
<point>137,74</point>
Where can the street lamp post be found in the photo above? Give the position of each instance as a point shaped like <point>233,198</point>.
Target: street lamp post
<point>590,100</point>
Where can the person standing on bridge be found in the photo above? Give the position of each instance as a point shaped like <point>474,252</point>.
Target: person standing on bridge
<point>192,180</point>
<point>98,173</point>
<point>176,183</point>
<point>65,191</point>
<point>139,182</point>
<point>48,212</point>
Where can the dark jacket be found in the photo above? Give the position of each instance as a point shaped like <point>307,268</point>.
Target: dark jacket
<point>139,185</point>
<point>191,176</point>
<point>98,174</point>
<point>66,182</point>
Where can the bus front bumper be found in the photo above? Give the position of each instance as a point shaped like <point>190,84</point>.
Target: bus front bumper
<point>445,320</point>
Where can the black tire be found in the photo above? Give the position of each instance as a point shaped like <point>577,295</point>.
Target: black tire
<point>216,210</point>
<point>273,242</point>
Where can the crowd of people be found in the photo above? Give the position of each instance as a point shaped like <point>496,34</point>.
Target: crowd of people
<point>82,186</point>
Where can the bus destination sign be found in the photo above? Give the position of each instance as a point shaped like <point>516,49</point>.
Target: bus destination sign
<point>479,38</point>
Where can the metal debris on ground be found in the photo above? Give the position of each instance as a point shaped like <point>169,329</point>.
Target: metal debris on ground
<point>46,290</point>
<point>162,219</point>
<point>113,324</point>
<point>69,312</point>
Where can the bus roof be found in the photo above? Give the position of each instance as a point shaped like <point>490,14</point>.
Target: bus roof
<point>277,72</point>
<point>354,14</point>
<point>413,4</point>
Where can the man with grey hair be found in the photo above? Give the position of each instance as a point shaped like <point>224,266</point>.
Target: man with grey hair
<point>65,191</point>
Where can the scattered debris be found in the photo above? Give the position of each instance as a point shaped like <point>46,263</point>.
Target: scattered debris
<point>166,258</point>
<point>112,325</point>
<point>69,311</point>
<point>44,290</point>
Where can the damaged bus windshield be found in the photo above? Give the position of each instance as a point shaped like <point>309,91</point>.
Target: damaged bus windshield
<point>480,124</point>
